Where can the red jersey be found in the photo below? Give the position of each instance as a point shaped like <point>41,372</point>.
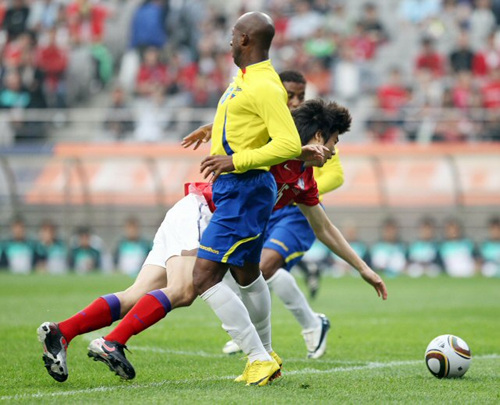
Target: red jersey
<point>295,183</point>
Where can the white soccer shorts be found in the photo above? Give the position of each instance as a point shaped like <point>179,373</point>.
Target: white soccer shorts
<point>181,229</point>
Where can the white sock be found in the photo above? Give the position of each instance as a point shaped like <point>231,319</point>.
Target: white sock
<point>257,300</point>
<point>286,288</point>
<point>235,320</point>
<point>232,284</point>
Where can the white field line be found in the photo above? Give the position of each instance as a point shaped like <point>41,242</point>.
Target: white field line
<point>126,386</point>
<point>200,353</point>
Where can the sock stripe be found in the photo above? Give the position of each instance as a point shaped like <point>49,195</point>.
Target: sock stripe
<point>114,306</point>
<point>163,299</point>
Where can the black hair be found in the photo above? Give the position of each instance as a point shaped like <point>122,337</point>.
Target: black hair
<point>427,221</point>
<point>318,115</point>
<point>292,76</point>
<point>494,221</point>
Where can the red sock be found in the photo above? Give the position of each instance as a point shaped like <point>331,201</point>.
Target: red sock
<point>100,313</point>
<point>151,308</point>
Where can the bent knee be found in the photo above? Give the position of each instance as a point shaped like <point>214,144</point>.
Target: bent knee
<point>271,261</point>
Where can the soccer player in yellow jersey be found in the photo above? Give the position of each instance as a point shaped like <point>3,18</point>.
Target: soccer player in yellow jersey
<point>289,236</point>
<point>253,130</point>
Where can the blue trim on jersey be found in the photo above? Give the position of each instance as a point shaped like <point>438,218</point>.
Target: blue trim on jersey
<point>225,144</point>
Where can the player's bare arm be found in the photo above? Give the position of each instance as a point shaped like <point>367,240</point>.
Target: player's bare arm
<point>215,165</point>
<point>200,135</point>
<point>327,233</point>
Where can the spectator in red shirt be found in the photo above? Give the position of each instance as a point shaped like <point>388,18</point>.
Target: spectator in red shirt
<point>487,58</point>
<point>153,74</point>
<point>53,61</point>
<point>430,59</point>
<point>86,20</point>
<point>391,98</point>
<point>491,91</point>
<point>464,94</point>
<point>393,95</point>
<point>363,43</point>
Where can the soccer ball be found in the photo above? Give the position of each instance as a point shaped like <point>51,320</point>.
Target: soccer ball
<point>447,356</point>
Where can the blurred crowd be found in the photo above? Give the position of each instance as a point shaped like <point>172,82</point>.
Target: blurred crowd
<point>82,253</point>
<point>52,56</point>
<point>429,253</point>
<point>425,70</point>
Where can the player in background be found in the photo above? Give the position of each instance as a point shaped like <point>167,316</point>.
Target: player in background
<point>290,236</point>
<point>132,248</point>
<point>489,250</point>
<point>423,254</point>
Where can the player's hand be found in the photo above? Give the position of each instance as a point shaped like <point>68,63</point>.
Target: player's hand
<point>216,165</point>
<point>315,155</point>
<point>374,279</point>
<point>201,135</point>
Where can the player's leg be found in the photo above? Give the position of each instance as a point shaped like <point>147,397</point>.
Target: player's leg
<point>289,237</point>
<point>314,326</point>
<point>102,312</point>
<point>234,238</point>
<point>228,307</point>
<point>149,310</point>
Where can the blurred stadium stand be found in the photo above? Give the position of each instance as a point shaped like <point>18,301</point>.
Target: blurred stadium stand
<point>422,79</point>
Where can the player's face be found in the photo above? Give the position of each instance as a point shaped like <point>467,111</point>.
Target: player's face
<point>235,46</point>
<point>296,94</point>
<point>334,139</point>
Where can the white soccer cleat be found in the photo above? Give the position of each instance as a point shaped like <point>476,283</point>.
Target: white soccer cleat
<point>316,338</point>
<point>231,347</point>
<point>54,350</point>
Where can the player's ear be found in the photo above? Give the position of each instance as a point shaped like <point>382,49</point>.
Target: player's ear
<point>318,137</point>
<point>244,40</point>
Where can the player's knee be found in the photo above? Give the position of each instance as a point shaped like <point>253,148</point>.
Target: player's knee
<point>206,274</point>
<point>270,264</point>
<point>185,299</point>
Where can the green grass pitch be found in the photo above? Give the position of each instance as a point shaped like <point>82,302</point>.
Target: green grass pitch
<point>375,349</point>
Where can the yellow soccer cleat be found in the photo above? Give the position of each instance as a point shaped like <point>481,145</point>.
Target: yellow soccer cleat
<point>261,372</point>
<point>244,375</point>
<point>280,363</point>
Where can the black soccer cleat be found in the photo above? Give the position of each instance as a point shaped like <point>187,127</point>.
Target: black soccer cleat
<point>112,354</point>
<point>54,350</point>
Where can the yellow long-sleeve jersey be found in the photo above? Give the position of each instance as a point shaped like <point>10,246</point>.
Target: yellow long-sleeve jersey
<point>330,176</point>
<point>253,122</point>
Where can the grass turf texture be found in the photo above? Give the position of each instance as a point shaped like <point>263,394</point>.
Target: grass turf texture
<point>375,351</point>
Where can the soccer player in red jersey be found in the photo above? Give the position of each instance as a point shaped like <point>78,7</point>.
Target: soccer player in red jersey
<point>178,235</point>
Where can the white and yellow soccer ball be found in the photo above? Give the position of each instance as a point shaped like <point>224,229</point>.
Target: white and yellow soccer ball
<point>448,356</point>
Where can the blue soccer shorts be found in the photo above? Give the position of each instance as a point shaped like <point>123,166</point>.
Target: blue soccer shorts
<point>289,234</point>
<point>244,203</point>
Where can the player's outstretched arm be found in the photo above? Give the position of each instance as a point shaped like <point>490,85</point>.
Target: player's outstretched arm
<point>327,233</point>
<point>200,135</point>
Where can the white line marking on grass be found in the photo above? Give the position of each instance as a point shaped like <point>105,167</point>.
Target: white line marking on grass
<point>369,366</point>
<point>200,353</point>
